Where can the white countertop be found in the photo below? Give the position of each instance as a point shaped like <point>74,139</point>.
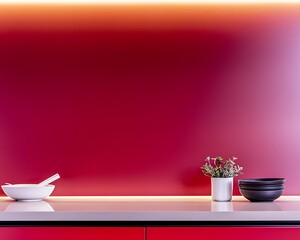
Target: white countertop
<point>156,208</point>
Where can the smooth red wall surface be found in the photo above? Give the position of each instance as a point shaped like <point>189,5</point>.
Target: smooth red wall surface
<point>215,233</point>
<point>129,100</point>
<point>71,233</point>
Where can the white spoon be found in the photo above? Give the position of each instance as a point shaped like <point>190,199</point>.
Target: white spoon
<point>49,180</point>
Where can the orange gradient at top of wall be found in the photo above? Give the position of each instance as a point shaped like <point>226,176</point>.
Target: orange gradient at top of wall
<point>140,16</point>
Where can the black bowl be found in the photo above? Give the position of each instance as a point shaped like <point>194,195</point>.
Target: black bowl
<point>262,181</point>
<point>261,185</point>
<point>262,188</point>
<point>261,196</point>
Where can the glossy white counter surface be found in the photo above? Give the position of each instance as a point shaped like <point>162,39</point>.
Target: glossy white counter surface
<point>199,208</point>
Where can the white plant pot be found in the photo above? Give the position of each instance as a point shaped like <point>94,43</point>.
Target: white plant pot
<point>221,189</point>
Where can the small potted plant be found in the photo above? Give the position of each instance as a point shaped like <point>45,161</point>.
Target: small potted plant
<point>221,172</point>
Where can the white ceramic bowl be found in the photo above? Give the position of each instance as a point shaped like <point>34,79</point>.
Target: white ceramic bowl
<point>27,192</point>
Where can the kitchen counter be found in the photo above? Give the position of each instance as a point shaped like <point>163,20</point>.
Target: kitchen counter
<point>149,211</point>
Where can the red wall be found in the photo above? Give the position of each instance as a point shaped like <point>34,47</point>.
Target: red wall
<point>129,100</point>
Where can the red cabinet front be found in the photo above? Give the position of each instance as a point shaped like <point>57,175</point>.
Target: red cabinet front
<point>71,233</point>
<point>223,233</point>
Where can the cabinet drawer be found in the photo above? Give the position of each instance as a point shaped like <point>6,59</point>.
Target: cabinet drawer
<point>223,233</point>
<point>71,233</point>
